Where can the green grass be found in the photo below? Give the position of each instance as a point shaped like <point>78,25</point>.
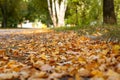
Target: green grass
<point>66,28</point>
<point>109,32</point>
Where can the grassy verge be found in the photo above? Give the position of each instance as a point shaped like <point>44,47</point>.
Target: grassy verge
<point>108,32</point>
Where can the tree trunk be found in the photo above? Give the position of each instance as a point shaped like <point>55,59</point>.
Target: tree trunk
<point>52,12</point>
<point>4,19</point>
<point>76,11</point>
<point>108,12</point>
<point>4,14</point>
<point>62,10</point>
<point>57,11</point>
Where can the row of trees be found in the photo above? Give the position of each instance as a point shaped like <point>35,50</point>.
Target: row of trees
<point>59,12</point>
<point>11,12</point>
<point>99,11</point>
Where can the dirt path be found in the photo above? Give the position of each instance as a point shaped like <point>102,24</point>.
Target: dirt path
<point>22,31</point>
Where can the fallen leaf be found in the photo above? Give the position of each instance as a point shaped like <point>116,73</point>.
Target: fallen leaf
<point>46,67</point>
<point>84,72</point>
<point>2,52</point>
<point>97,73</point>
<point>112,75</point>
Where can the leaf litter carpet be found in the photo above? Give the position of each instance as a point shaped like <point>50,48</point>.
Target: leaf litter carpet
<point>50,55</point>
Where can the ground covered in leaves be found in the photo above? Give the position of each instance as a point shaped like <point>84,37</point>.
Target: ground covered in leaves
<point>36,55</point>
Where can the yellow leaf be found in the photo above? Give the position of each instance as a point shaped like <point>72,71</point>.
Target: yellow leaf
<point>105,51</point>
<point>112,75</point>
<point>43,49</point>
<point>16,69</point>
<point>84,72</point>
<point>32,57</point>
<point>97,73</point>
<point>91,66</point>
<point>116,49</point>
<point>11,63</point>
<point>77,77</point>
<point>83,38</point>
<point>43,56</point>
<point>55,53</point>
<point>80,59</point>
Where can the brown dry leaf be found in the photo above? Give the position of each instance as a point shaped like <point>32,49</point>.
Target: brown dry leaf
<point>5,76</point>
<point>118,67</point>
<point>81,60</point>
<point>84,72</point>
<point>58,68</point>
<point>70,79</point>
<point>77,77</point>
<point>32,58</point>
<point>83,38</point>
<point>46,67</point>
<point>55,53</point>
<point>55,75</point>
<point>38,64</point>
<point>73,72</point>
<point>14,66</point>
<point>11,63</point>
<point>91,66</point>
<point>104,52</point>
<point>38,75</point>
<point>16,69</point>
<point>42,74</point>
<point>43,56</point>
<point>43,49</point>
<point>97,78</point>
<point>15,53</point>
<point>2,52</point>
<point>72,52</point>
<point>6,58</point>
<point>24,74</point>
<point>116,49</point>
<point>97,73</point>
<point>112,75</point>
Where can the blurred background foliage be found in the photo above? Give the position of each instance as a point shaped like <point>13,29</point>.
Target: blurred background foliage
<point>79,12</point>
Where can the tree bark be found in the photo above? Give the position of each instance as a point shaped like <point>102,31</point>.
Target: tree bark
<point>52,12</point>
<point>4,13</point>
<point>62,11</point>
<point>108,12</point>
<point>57,11</point>
<point>4,19</point>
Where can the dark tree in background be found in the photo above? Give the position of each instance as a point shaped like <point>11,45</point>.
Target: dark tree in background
<point>3,7</point>
<point>11,12</point>
<point>108,12</point>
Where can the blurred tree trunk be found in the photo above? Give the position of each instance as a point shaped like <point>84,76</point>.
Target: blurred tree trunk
<point>108,12</point>
<point>3,6</point>
<point>57,11</point>
<point>61,9</point>
<point>52,12</point>
<point>4,17</point>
